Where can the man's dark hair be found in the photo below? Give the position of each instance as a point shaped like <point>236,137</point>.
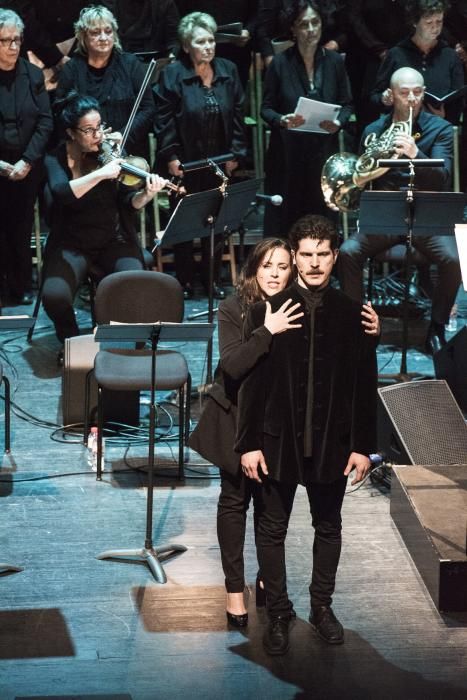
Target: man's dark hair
<point>313,226</point>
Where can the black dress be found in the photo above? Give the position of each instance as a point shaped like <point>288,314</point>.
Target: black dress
<point>294,159</point>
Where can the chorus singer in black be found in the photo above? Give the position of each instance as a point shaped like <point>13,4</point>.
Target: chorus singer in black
<point>25,128</point>
<point>295,158</point>
<point>307,415</point>
<point>199,114</point>
<point>430,137</point>
<point>91,213</point>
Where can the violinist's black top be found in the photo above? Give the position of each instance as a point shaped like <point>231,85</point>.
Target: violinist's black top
<point>92,222</point>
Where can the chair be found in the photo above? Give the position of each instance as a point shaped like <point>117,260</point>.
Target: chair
<point>6,383</point>
<point>138,296</point>
<point>94,276</point>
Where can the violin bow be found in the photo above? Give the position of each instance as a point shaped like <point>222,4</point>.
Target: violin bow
<point>139,97</point>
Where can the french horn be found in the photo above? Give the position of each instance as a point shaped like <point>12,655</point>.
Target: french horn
<point>344,175</point>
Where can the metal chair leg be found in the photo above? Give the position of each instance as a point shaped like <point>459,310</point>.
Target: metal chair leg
<point>87,401</point>
<point>7,413</point>
<point>100,427</point>
<point>181,431</point>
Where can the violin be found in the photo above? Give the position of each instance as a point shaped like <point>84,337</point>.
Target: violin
<point>135,169</point>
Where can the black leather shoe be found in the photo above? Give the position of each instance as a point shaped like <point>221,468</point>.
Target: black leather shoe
<point>326,624</point>
<point>188,291</point>
<point>435,338</point>
<point>218,292</point>
<point>237,620</point>
<point>276,637</point>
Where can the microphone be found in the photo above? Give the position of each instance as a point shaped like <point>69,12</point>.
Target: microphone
<point>205,162</point>
<point>274,199</point>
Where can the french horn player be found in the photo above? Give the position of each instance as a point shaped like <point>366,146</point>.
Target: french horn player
<point>428,136</point>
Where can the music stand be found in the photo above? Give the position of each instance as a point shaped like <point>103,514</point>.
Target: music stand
<point>409,213</point>
<point>206,214</point>
<point>149,333</point>
<point>13,323</point>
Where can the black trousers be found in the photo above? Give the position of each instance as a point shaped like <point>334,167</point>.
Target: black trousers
<point>66,269</point>
<point>273,517</point>
<point>16,219</point>
<point>234,500</point>
<point>440,250</point>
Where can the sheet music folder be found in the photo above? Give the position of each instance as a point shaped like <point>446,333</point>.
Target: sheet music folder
<point>436,213</point>
<point>142,332</point>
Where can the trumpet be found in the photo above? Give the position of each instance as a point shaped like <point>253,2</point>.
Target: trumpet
<point>345,175</point>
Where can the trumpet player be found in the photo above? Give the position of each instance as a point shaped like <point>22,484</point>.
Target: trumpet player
<point>428,136</point>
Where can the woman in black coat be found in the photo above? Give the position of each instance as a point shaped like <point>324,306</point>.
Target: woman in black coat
<point>199,114</point>
<point>25,128</point>
<point>267,271</point>
<point>295,159</point>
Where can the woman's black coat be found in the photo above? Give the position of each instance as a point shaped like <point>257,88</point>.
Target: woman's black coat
<point>214,436</point>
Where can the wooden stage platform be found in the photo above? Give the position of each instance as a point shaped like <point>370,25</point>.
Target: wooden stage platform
<point>72,626</point>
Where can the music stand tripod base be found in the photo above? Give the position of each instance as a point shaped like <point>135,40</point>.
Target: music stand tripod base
<point>4,568</point>
<point>149,556</point>
<point>178,332</point>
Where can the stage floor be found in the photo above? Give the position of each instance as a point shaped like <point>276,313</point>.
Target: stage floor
<point>74,626</point>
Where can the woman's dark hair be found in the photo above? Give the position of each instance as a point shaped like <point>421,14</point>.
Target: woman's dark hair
<point>313,226</point>
<point>416,9</point>
<point>71,108</point>
<point>291,11</point>
<point>248,289</point>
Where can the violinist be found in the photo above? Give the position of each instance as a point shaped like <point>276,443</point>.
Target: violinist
<point>91,212</point>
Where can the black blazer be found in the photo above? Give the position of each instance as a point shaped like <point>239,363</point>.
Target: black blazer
<point>214,436</point>
<point>180,110</point>
<point>34,117</point>
<point>272,398</point>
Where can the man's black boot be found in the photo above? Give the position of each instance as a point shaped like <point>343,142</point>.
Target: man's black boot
<point>276,637</point>
<point>326,624</point>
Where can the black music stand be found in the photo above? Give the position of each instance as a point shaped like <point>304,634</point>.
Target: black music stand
<point>13,323</point>
<point>206,214</point>
<point>150,333</point>
<point>409,213</point>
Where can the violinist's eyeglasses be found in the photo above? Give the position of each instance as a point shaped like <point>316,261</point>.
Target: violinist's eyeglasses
<point>8,43</point>
<point>92,131</point>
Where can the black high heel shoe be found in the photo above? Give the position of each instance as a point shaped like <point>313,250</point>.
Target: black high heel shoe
<point>260,594</point>
<point>237,620</point>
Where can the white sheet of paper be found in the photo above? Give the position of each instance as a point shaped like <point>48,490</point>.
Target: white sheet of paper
<point>461,241</point>
<point>315,112</point>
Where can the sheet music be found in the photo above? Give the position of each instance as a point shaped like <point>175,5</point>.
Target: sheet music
<point>460,231</point>
<point>315,112</point>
